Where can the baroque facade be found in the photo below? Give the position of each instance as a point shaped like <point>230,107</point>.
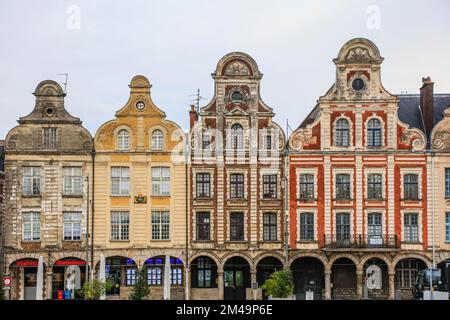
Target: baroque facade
<point>46,166</point>
<point>236,181</point>
<point>140,195</point>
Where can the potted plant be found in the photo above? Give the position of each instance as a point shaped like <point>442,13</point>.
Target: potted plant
<point>280,285</point>
<point>141,289</point>
<point>94,289</point>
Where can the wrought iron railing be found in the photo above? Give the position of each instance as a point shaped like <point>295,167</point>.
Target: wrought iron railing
<point>359,241</point>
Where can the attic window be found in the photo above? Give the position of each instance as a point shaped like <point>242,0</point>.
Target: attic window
<point>236,96</point>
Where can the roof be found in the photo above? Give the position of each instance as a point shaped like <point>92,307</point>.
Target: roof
<point>409,112</point>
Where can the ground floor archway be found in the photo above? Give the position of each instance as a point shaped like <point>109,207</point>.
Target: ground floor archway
<point>376,279</point>
<point>25,278</point>
<point>308,275</point>
<point>406,271</point>
<point>344,279</point>
<point>264,269</point>
<point>68,276</point>
<point>236,278</point>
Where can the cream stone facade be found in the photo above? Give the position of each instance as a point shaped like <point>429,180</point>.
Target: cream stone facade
<point>47,165</point>
<point>140,195</point>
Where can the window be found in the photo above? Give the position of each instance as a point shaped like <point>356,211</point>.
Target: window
<point>72,178</point>
<point>374,225</point>
<point>411,227</point>
<point>154,275</point>
<point>447,182</point>
<point>236,185</point>
<point>176,275</point>
<point>31,180</point>
<point>237,136</point>
<point>206,141</point>
<point>342,133</point>
<point>406,273</point>
<point>203,185</point>
<point>160,225</point>
<point>160,181</point>
<point>411,187</point>
<point>374,133</point>
<point>31,226</point>
<point>123,140</point>
<point>131,276</point>
<point>49,138</point>
<point>342,226</point>
<point>157,140</point>
<point>447,226</point>
<point>205,272</point>
<point>306,226</point>
<point>120,181</point>
<point>342,186</point>
<point>72,226</point>
<point>270,226</point>
<point>374,186</point>
<point>268,142</point>
<point>203,226</point>
<point>237,226</point>
<point>269,186</point>
<point>236,96</point>
<point>306,186</point>
<point>120,223</point>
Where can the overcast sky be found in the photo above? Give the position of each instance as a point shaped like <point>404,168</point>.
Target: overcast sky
<point>177,44</point>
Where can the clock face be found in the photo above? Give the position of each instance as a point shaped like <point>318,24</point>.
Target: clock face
<point>358,84</point>
<point>140,105</point>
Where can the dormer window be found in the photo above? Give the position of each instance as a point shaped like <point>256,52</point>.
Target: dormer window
<point>157,140</point>
<point>123,140</point>
<point>342,133</point>
<point>236,96</point>
<point>237,136</point>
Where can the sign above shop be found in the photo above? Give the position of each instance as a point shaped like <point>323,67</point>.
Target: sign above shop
<point>26,263</point>
<point>70,262</point>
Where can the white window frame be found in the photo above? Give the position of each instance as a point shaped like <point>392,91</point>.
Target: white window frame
<point>123,140</point>
<point>157,140</point>
<point>32,181</point>
<point>33,219</point>
<point>160,182</point>
<point>120,182</point>
<point>50,138</point>
<point>72,225</point>
<point>72,180</point>
<point>121,220</point>
<point>160,230</point>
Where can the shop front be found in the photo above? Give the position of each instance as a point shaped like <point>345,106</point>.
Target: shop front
<point>25,279</point>
<point>69,275</point>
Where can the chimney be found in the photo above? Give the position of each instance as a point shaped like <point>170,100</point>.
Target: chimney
<point>426,103</point>
<point>193,116</point>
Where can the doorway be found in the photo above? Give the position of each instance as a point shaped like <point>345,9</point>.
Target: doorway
<point>236,278</point>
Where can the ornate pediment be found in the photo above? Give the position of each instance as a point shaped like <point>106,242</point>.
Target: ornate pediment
<point>237,68</point>
<point>358,54</point>
<point>302,138</point>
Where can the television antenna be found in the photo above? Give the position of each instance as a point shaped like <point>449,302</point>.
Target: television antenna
<point>197,99</point>
<point>65,82</point>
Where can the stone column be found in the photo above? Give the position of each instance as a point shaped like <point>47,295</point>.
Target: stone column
<point>253,280</point>
<point>327,284</point>
<point>391,285</point>
<point>187,282</point>
<point>220,283</point>
<point>359,284</point>
<point>48,283</point>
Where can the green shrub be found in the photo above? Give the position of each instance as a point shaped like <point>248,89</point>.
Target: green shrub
<point>94,289</point>
<point>141,289</point>
<point>279,284</point>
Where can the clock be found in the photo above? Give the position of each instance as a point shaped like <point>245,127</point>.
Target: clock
<point>140,105</point>
<point>358,84</point>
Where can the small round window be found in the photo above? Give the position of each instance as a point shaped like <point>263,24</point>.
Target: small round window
<point>358,84</point>
<point>237,96</point>
<point>49,111</point>
<point>140,105</point>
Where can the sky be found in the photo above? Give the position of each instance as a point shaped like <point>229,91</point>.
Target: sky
<point>102,44</point>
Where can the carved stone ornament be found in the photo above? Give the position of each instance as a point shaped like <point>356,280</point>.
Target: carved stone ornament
<point>237,68</point>
<point>358,54</point>
<point>303,137</point>
<point>439,138</point>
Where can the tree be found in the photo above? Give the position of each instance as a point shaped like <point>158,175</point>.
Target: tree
<point>141,289</point>
<point>94,289</point>
<point>279,284</point>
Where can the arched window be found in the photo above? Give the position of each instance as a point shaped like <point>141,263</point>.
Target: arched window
<point>157,140</point>
<point>237,96</point>
<point>123,140</point>
<point>342,133</point>
<point>374,133</point>
<point>237,136</point>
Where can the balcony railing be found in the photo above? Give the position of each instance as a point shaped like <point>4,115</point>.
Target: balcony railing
<point>360,242</point>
